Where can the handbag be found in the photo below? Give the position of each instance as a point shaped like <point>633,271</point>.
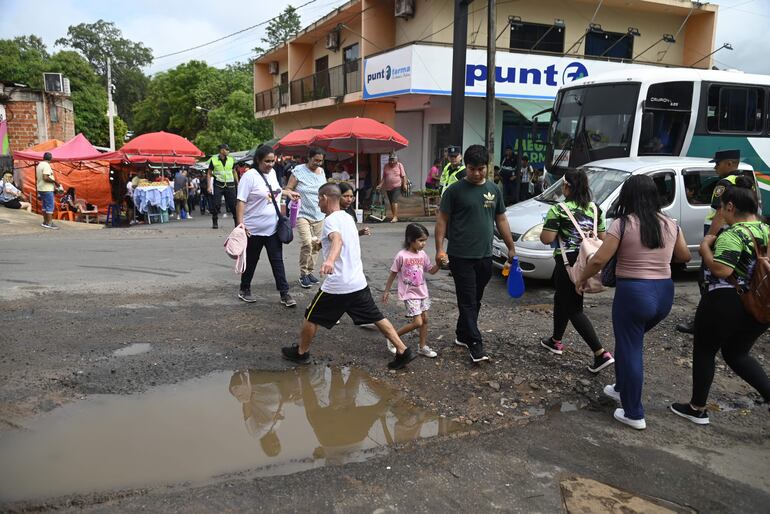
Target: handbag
<point>588,247</point>
<point>283,229</point>
<point>608,272</point>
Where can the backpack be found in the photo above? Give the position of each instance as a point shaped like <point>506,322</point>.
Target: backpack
<point>588,247</point>
<point>756,297</point>
<point>235,247</point>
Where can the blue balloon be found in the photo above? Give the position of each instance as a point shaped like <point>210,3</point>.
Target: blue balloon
<point>515,280</point>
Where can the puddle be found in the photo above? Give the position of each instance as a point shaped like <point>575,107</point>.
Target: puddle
<point>132,349</point>
<point>271,423</point>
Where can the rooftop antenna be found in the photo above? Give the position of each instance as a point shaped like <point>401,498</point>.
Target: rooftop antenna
<point>727,46</point>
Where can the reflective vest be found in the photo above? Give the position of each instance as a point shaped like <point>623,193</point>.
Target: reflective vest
<point>449,176</point>
<point>223,172</point>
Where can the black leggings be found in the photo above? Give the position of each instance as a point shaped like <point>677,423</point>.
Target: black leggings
<point>721,322</point>
<point>568,306</point>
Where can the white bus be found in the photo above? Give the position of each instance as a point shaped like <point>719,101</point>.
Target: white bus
<point>662,111</point>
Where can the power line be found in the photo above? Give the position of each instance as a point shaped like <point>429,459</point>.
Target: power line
<point>230,35</point>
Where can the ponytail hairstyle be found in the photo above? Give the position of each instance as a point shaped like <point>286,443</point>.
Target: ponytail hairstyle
<point>741,195</point>
<point>414,231</point>
<point>639,196</point>
<point>578,187</point>
<point>345,187</point>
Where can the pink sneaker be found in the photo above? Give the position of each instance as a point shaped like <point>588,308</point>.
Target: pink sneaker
<point>552,346</point>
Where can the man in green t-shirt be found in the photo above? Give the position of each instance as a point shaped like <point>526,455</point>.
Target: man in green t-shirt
<point>467,216</point>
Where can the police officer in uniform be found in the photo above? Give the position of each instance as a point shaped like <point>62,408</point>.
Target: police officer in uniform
<point>726,165</point>
<point>454,171</point>
<point>225,182</point>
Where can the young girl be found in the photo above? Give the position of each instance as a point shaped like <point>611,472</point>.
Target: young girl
<point>409,266</point>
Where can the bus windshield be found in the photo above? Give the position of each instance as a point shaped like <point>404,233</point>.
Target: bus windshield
<point>591,123</point>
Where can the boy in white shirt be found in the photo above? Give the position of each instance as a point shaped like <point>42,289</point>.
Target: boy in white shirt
<point>345,289</point>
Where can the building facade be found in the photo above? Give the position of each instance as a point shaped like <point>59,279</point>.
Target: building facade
<point>35,116</point>
<point>391,60</point>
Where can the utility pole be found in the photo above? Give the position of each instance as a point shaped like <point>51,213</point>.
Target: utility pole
<point>110,113</point>
<point>459,44</point>
<point>490,99</point>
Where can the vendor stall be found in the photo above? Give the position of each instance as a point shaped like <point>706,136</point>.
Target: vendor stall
<point>154,200</point>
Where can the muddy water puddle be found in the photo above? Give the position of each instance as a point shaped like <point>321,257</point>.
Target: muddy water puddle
<point>132,349</point>
<point>270,423</point>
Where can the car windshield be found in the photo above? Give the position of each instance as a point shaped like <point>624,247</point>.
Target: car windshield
<point>601,181</point>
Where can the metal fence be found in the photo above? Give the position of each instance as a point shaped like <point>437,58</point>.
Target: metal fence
<point>334,82</point>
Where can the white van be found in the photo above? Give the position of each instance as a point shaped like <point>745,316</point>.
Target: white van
<point>684,183</point>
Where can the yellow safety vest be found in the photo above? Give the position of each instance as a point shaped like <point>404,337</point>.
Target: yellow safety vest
<point>449,176</point>
<point>223,172</point>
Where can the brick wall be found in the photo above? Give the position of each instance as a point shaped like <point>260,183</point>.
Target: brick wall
<point>22,124</point>
<point>64,128</point>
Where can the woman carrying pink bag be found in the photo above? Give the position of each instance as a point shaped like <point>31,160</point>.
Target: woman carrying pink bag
<point>258,189</point>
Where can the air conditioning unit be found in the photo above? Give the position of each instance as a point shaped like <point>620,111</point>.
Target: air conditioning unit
<point>66,83</point>
<point>272,67</point>
<point>53,82</point>
<point>333,40</point>
<point>404,9</point>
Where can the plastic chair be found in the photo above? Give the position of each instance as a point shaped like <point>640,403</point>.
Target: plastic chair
<point>153,212</point>
<point>63,211</point>
<point>87,213</point>
<point>113,215</point>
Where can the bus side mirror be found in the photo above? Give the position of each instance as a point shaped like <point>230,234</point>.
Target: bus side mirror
<point>648,124</point>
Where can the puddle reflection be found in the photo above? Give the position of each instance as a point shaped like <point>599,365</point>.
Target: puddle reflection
<point>288,421</point>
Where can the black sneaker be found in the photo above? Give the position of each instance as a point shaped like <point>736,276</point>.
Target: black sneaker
<point>699,417</point>
<point>688,327</point>
<point>292,353</point>
<point>601,362</point>
<point>304,281</point>
<point>312,278</point>
<point>245,295</point>
<point>287,300</point>
<point>402,359</point>
<point>552,346</point>
<point>477,352</point>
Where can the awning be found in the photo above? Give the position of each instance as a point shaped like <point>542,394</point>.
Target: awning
<point>527,107</point>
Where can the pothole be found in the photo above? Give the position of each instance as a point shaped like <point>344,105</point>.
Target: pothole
<point>132,349</point>
<point>270,423</point>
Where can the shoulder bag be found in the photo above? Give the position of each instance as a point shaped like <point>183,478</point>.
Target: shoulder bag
<point>588,247</point>
<point>756,296</point>
<point>608,272</point>
<point>285,234</point>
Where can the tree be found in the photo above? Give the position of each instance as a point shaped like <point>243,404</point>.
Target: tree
<point>102,40</point>
<point>280,29</point>
<point>23,59</point>
<point>233,123</point>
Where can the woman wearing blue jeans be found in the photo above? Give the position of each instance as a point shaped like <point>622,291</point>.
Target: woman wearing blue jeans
<point>645,242</point>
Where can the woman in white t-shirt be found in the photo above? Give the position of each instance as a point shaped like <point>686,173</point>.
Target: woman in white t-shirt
<point>259,195</point>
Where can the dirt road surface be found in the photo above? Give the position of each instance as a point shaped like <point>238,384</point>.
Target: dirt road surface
<point>531,421</point>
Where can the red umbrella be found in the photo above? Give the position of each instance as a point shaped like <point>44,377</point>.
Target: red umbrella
<point>360,135</point>
<point>298,141</point>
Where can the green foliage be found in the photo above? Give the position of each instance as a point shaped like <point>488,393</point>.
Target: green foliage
<point>280,29</point>
<point>102,40</point>
<point>225,98</point>
<point>233,123</point>
<point>24,59</point>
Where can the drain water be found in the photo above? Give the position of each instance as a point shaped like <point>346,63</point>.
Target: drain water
<point>132,349</point>
<point>271,422</point>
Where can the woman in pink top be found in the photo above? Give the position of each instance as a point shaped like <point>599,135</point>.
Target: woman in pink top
<point>393,176</point>
<point>645,242</point>
<point>410,266</point>
<point>432,182</point>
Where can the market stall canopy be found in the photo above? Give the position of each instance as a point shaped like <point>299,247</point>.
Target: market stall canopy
<point>159,147</point>
<point>297,142</point>
<point>76,149</point>
<point>360,135</point>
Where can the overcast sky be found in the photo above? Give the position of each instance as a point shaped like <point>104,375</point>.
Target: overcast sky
<point>170,25</point>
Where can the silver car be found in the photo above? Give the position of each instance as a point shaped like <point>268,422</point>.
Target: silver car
<point>685,185</point>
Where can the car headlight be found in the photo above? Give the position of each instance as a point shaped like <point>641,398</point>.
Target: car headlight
<point>533,234</point>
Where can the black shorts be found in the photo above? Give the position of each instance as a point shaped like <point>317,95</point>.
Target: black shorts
<point>326,308</point>
<point>394,195</point>
<point>13,203</point>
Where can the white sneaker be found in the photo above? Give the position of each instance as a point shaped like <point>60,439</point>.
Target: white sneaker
<point>391,347</point>
<point>189,217</point>
<point>638,424</point>
<point>609,390</point>
<point>427,351</point>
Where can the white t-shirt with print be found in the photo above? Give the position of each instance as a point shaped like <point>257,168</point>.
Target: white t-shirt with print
<point>259,215</point>
<point>348,275</point>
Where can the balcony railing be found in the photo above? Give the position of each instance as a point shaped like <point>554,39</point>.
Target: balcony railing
<point>334,82</point>
<point>272,98</point>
